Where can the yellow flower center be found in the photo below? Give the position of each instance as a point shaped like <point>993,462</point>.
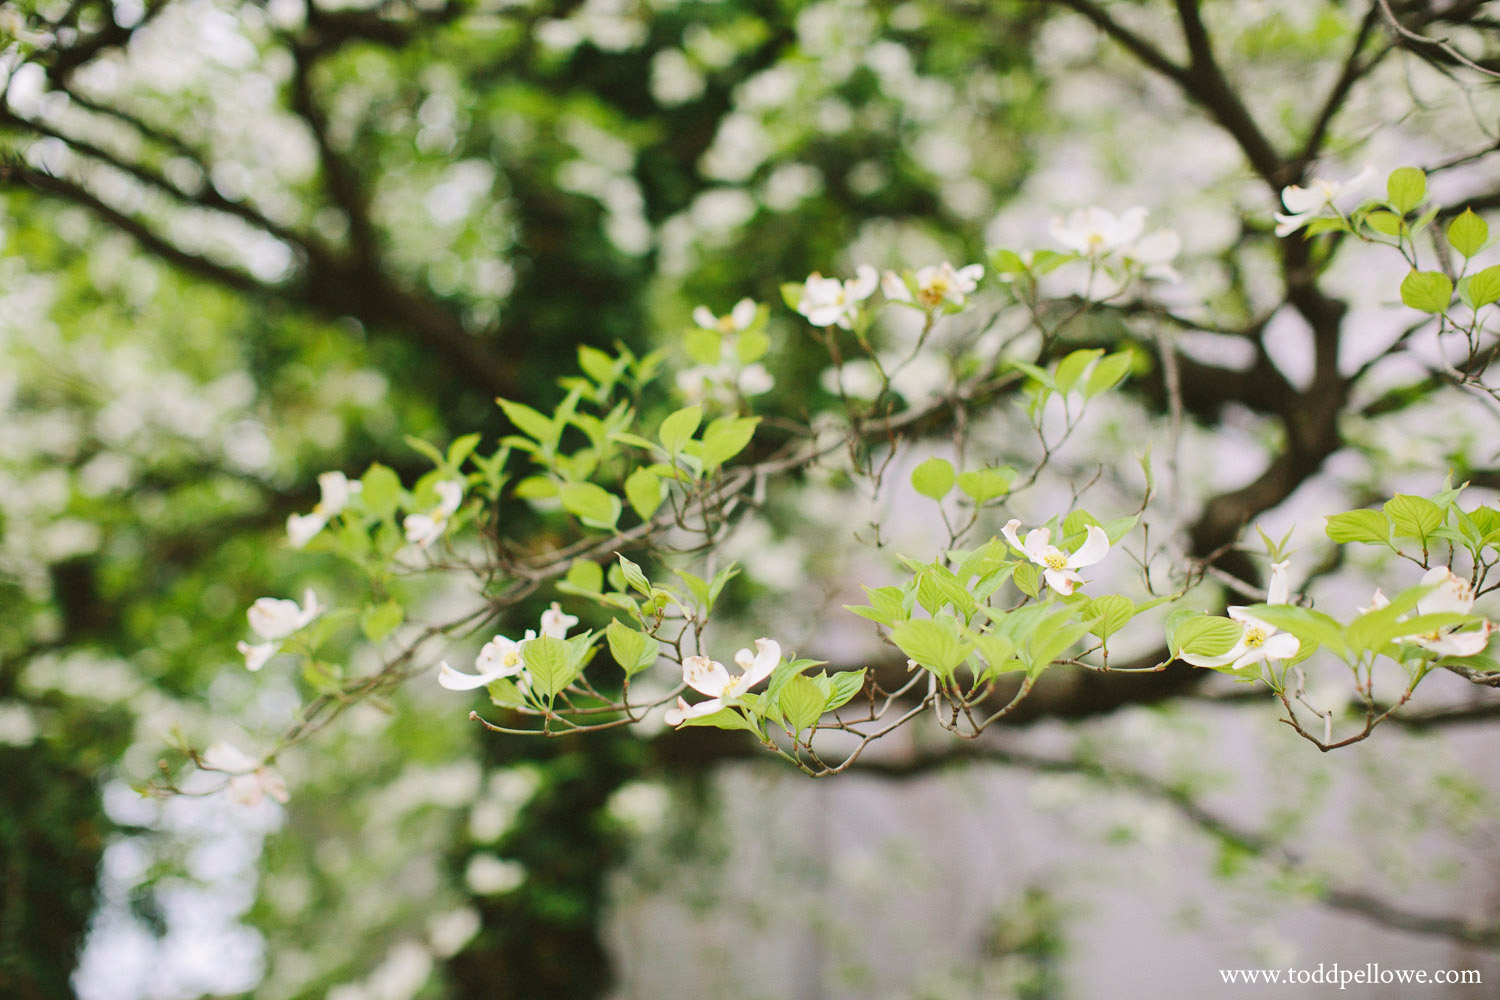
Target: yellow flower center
<point>1255,637</point>
<point>726,324</point>
<point>1055,560</point>
<point>511,658</point>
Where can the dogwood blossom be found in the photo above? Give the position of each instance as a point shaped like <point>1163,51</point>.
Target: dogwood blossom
<point>273,619</point>
<point>500,657</point>
<point>1307,203</point>
<point>335,489</point>
<point>555,623</point>
<point>936,284</point>
<point>829,301</point>
<point>721,382</point>
<point>709,677</point>
<point>1451,594</point>
<point>1095,232</point>
<point>424,529</point>
<point>1259,640</point>
<point>737,319</point>
<point>1154,253</point>
<point>1058,567</point>
<point>252,780</point>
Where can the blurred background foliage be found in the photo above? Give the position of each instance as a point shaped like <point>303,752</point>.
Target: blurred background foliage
<point>244,243</point>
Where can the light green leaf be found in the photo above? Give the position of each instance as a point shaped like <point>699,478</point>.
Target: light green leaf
<point>1306,624</point>
<point>530,422</point>
<point>703,346</point>
<point>933,478</point>
<point>586,576</point>
<point>1481,288</point>
<point>934,644</point>
<point>725,438</point>
<point>634,576</point>
<point>800,702</point>
<point>1070,369</point>
<point>677,429</point>
<point>1202,635</point>
<point>1407,188</point>
<point>1371,526</point>
<point>1467,233</point>
<point>1113,612</point>
<point>645,492</point>
<point>633,650</point>
<point>381,491</point>
<point>1429,291</point>
<point>1108,373</point>
<point>1413,516</point>
<point>549,664</point>
<point>982,485</point>
<point>844,686</point>
<point>591,504</point>
<point>377,621</point>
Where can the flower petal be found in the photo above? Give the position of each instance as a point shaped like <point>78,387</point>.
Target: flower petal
<point>228,758</point>
<point>1009,531</point>
<point>706,319</point>
<point>302,528</point>
<point>1062,580</point>
<point>743,313</point>
<point>683,712</point>
<point>705,675</point>
<point>1036,544</point>
<point>866,280</point>
<point>1280,646</point>
<point>1279,591</point>
<point>767,656</point>
<point>257,655</point>
<point>1094,548</point>
<point>1450,593</point>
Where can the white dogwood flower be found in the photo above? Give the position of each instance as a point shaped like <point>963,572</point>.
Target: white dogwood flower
<point>737,319</point>
<point>500,657</point>
<point>1307,203</point>
<point>424,529</point>
<point>1154,253</point>
<point>555,623</point>
<point>276,618</point>
<point>335,489</point>
<point>1095,232</point>
<point>1058,567</point>
<point>936,284</point>
<point>1450,594</point>
<point>829,301</point>
<point>1259,640</point>
<point>252,780</point>
<point>709,677</point>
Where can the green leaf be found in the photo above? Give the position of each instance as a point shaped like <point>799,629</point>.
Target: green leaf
<point>1467,233</point>
<point>982,485</point>
<point>460,449</point>
<point>529,422</point>
<point>1202,635</point>
<point>751,346</point>
<point>1429,291</point>
<point>1407,188</point>
<point>933,478</point>
<point>377,621</point>
<point>1040,375</point>
<point>1070,369</point>
<point>549,664</point>
<point>725,438</point>
<point>645,492</point>
<point>1370,526</point>
<point>801,702</point>
<point>1306,624</point>
<point>1481,288</point>
<point>536,488</point>
<point>886,606</point>
<point>934,644</point>
<point>585,576</point>
<point>703,346</point>
<point>380,491</point>
<point>1386,223</point>
<point>1108,373</point>
<point>844,686</point>
<point>724,718</point>
<point>1413,516</point>
<point>633,650</point>
<point>634,576</point>
<point>1028,579</point>
<point>591,504</point>
<point>1112,612</point>
<point>717,584</point>
<point>677,429</point>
